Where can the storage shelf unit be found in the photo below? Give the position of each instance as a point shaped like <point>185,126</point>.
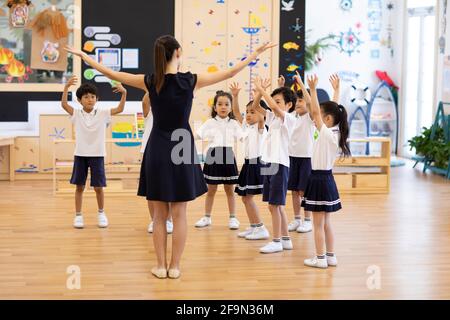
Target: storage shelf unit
<point>365,174</point>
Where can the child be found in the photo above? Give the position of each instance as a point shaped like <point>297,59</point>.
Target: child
<point>250,182</point>
<point>90,125</point>
<point>146,110</point>
<point>220,165</point>
<point>321,194</point>
<point>276,155</point>
<point>300,151</point>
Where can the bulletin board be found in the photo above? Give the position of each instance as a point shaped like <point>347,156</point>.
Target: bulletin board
<point>122,38</point>
<point>32,37</point>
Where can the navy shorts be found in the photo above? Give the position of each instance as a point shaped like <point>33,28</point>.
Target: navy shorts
<point>80,171</point>
<point>276,185</point>
<point>299,172</point>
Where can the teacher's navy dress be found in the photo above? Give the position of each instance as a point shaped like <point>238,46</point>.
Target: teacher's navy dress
<point>170,170</point>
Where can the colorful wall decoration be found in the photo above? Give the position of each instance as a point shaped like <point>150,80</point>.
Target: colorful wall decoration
<point>123,46</point>
<point>292,40</point>
<point>216,35</point>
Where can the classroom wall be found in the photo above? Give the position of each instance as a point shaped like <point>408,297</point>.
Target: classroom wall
<point>368,54</point>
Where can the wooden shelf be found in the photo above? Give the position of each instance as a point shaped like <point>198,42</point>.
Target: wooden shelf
<point>122,177</point>
<point>356,181</point>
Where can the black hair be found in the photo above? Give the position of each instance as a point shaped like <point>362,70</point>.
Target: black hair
<point>262,103</point>
<point>288,96</point>
<point>164,48</point>
<point>339,115</point>
<point>87,88</point>
<point>219,94</point>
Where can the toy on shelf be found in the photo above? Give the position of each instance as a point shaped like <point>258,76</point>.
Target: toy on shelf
<point>381,117</point>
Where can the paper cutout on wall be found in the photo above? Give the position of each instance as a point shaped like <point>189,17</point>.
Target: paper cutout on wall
<point>296,27</point>
<point>50,52</point>
<point>91,31</point>
<point>49,34</point>
<point>375,23</point>
<point>346,5</point>
<point>291,46</point>
<point>6,56</point>
<point>123,130</point>
<point>349,42</point>
<point>19,13</point>
<point>16,69</point>
<point>57,133</point>
<point>287,5</point>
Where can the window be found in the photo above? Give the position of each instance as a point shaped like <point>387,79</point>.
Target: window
<point>419,71</point>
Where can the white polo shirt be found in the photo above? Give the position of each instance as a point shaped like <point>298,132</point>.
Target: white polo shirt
<point>90,131</point>
<point>253,139</point>
<point>326,149</point>
<point>148,126</point>
<point>276,143</point>
<point>220,132</point>
<point>302,140</point>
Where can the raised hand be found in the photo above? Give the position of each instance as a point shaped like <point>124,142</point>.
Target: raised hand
<point>74,51</point>
<point>335,82</point>
<point>266,83</point>
<point>72,81</point>
<point>264,47</point>
<point>119,88</point>
<point>235,89</point>
<point>258,83</point>
<point>312,82</point>
<point>281,81</point>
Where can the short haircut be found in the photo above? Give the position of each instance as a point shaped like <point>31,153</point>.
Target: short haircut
<point>86,88</point>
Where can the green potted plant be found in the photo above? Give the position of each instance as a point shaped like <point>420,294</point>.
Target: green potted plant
<point>436,150</point>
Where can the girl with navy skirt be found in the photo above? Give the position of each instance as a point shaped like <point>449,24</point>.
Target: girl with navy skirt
<point>170,173</point>
<point>251,181</point>
<point>220,167</point>
<point>300,151</point>
<point>321,194</point>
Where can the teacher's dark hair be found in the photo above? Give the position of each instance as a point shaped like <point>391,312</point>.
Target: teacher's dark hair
<point>165,46</point>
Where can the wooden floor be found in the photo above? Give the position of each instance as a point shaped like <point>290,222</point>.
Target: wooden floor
<point>406,234</point>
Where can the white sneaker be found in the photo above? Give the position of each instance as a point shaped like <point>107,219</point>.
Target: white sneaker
<point>203,222</point>
<point>305,227</point>
<point>259,233</point>
<point>316,263</point>
<point>102,220</point>
<point>78,222</point>
<point>272,247</point>
<point>150,227</point>
<point>233,224</point>
<point>287,244</point>
<point>245,233</point>
<point>169,226</point>
<point>294,225</point>
<point>332,261</point>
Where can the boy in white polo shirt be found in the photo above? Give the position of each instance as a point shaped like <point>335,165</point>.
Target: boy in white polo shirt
<point>90,129</point>
<point>276,155</point>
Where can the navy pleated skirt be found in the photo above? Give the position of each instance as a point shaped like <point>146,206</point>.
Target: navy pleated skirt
<point>250,181</point>
<point>321,194</point>
<point>220,166</point>
<point>299,172</point>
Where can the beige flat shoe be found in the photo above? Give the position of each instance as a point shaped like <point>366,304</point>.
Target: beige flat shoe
<point>159,273</point>
<point>174,273</point>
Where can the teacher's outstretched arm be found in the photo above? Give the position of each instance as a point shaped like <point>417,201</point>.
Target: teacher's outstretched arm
<point>207,79</point>
<point>133,80</point>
